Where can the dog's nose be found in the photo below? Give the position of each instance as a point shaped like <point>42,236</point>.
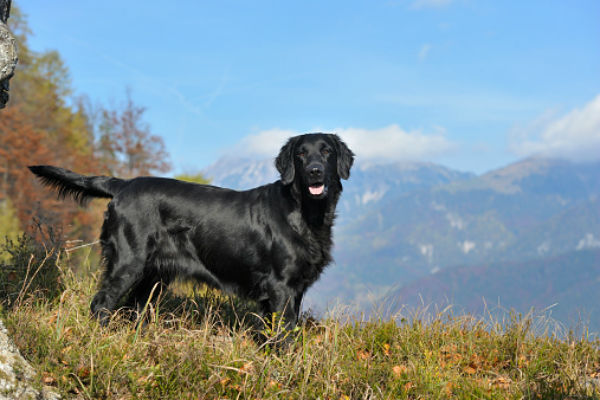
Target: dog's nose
<point>315,171</point>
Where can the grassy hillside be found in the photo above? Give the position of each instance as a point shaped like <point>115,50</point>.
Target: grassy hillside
<point>568,282</point>
<point>198,344</point>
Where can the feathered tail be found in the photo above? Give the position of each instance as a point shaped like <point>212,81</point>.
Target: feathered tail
<point>81,188</point>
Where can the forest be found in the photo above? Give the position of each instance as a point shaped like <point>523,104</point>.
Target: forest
<point>47,122</point>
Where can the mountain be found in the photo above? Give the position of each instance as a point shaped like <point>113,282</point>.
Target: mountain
<point>402,222</point>
<point>529,209</point>
<point>241,173</point>
<point>569,284</point>
<point>372,184</point>
<point>369,184</point>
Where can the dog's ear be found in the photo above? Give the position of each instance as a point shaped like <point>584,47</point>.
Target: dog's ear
<point>345,157</point>
<point>285,161</point>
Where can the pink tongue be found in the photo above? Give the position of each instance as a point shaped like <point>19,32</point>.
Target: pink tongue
<point>316,190</point>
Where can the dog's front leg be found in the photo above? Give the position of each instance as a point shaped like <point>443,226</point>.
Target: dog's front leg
<point>115,284</point>
<point>281,312</point>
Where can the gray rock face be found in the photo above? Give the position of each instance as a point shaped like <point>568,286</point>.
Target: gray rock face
<point>17,377</point>
<point>8,52</point>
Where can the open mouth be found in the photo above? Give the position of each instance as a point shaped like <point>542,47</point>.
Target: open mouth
<point>317,189</point>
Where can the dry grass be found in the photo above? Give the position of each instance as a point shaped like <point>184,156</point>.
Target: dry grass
<point>200,345</point>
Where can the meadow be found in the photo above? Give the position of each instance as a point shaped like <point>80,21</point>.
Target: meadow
<point>197,343</point>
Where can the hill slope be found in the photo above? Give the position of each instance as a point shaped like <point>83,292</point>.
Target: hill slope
<point>570,283</point>
<point>204,345</point>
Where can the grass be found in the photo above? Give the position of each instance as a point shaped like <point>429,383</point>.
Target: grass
<point>199,344</point>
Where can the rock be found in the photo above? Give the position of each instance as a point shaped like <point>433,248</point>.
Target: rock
<point>8,52</point>
<point>17,378</point>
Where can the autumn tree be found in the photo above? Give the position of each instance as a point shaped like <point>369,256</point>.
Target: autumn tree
<point>125,145</point>
<point>40,127</point>
<point>44,123</point>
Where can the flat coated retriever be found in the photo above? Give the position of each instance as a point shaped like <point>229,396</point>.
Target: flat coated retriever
<point>268,244</point>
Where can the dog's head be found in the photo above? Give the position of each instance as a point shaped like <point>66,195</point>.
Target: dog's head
<point>316,161</point>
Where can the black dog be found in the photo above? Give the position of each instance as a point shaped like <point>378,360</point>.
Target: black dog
<point>269,243</point>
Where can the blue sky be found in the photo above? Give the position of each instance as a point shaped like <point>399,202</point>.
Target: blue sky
<point>470,84</point>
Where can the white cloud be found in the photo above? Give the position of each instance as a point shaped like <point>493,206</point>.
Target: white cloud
<point>467,246</point>
<point>427,251</point>
<point>543,248</point>
<point>455,221</point>
<point>588,242</point>
<point>387,144</point>
<point>419,4</point>
<point>265,143</point>
<point>373,196</point>
<point>574,136</point>
<point>392,143</point>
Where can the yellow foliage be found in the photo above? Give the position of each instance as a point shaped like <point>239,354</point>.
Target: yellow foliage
<point>194,178</point>
<point>9,225</point>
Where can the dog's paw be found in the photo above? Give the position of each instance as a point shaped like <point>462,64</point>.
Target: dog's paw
<point>99,310</point>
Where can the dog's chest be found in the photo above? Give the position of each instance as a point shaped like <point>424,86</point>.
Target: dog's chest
<point>312,252</point>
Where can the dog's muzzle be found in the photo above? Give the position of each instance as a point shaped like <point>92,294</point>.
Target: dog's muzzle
<point>315,172</point>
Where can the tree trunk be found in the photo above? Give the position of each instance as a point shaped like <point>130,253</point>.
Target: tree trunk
<point>8,52</point>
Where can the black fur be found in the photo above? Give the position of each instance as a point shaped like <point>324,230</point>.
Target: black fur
<point>269,243</point>
<point>80,188</point>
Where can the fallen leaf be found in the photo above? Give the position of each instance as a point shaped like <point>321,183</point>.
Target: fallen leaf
<point>48,379</point>
<point>501,382</point>
<point>470,370</point>
<point>143,379</point>
<point>398,370</point>
<point>274,383</point>
<point>53,318</point>
<point>83,372</point>
<point>386,349</point>
<point>449,348</point>
<point>247,368</point>
<point>448,388</point>
<point>363,355</point>
<point>225,381</point>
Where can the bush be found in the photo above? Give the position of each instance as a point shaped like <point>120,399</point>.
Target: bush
<point>29,268</point>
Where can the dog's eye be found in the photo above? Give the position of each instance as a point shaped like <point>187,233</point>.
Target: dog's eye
<point>301,154</point>
<point>325,152</point>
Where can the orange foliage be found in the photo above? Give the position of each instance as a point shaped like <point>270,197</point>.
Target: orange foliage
<point>126,147</point>
<point>39,126</point>
<point>22,144</point>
